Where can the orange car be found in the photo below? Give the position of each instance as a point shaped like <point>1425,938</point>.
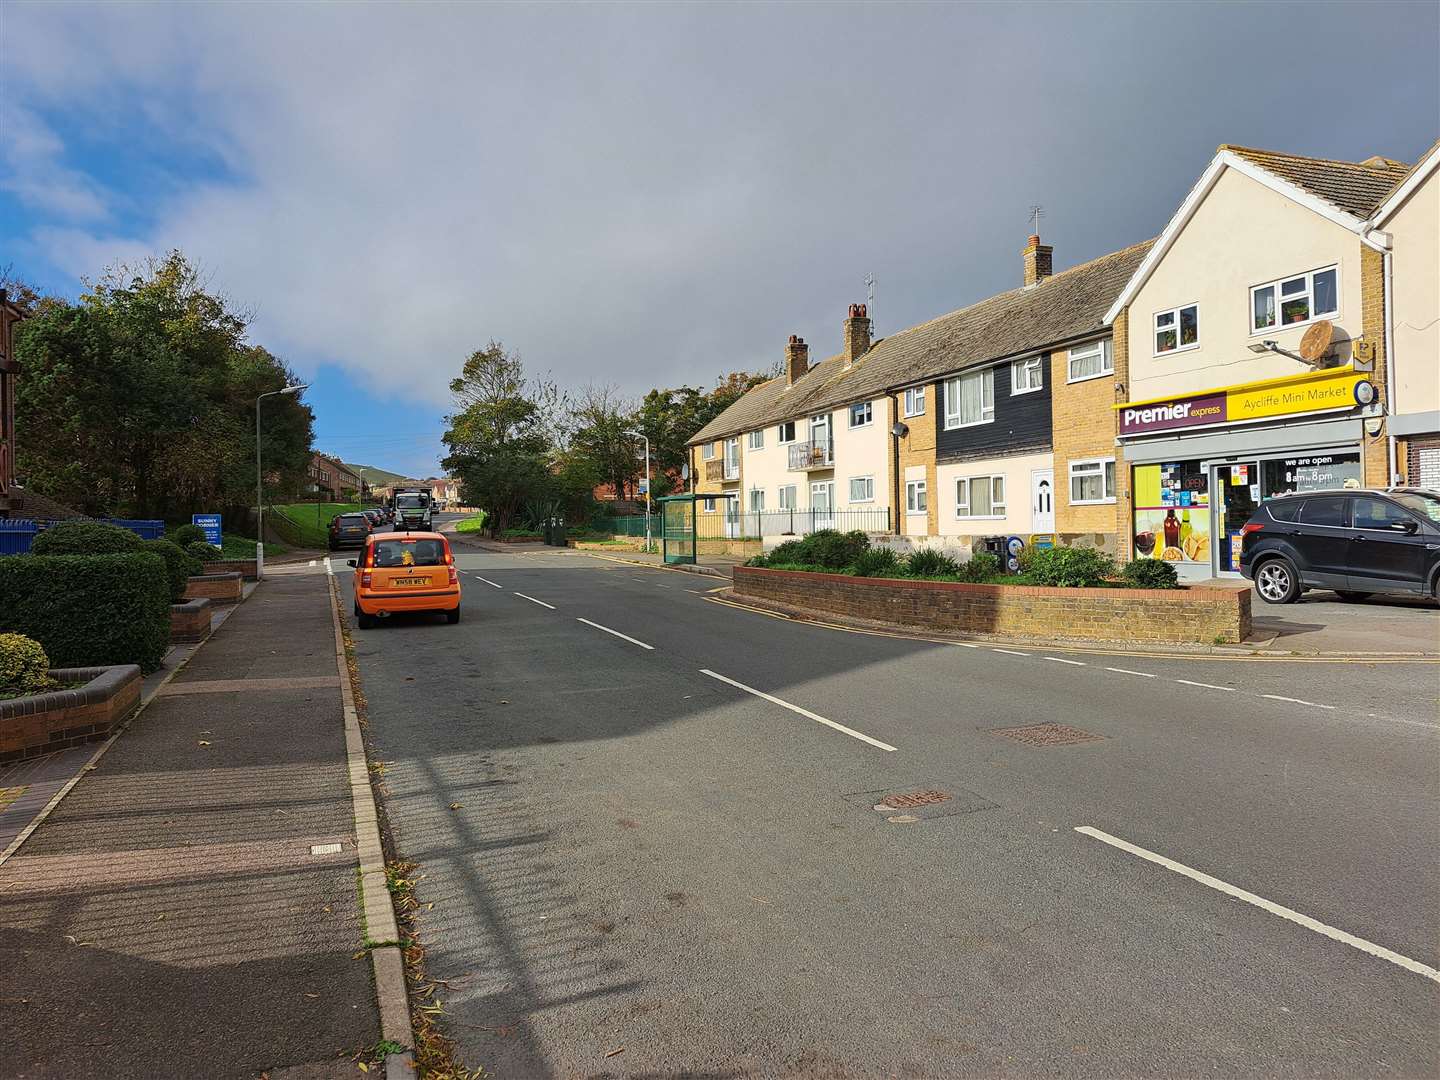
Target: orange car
<point>405,572</point>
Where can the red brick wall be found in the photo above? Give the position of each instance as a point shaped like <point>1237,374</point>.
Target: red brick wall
<point>217,588</point>
<point>244,567</point>
<point>190,621</point>
<point>1132,615</point>
<point>42,724</point>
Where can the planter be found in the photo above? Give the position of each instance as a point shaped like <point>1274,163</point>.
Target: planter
<point>190,620</point>
<point>217,588</point>
<point>1135,616</point>
<point>43,723</point>
<point>244,567</point>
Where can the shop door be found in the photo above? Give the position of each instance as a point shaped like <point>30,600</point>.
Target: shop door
<point>1235,493</point>
<point>1042,501</point>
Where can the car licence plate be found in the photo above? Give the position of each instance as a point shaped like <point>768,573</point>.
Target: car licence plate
<point>410,581</point>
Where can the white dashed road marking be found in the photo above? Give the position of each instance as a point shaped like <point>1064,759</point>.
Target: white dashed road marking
<point>1206,685</point>
<point>487,581</point>
<point>532,599</point>
<point>617,633</point>
<point>1062,660</point>
<point>797,709</point>
<point>1010,652</point>
<point>1127,671</point>
<point>1263,904</point>
<point>1297,701</point>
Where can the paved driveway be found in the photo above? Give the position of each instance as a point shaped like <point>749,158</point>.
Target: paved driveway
<point>1321,622</point>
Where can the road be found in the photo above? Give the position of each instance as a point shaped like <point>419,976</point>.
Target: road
<point>655,869</point>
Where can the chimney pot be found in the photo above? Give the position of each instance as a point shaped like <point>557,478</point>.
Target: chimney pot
<point>797,359</point>
<point>1038,260</point>
<point>857,334</point>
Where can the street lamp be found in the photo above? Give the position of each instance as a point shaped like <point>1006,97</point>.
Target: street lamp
<point>642,435</point>
<point>259,493</point>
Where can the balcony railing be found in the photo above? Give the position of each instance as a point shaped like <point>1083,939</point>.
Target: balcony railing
<point>715,470</point>
<point>816,454</point>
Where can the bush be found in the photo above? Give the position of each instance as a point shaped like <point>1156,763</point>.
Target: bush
<point>981,566</point>
<point>791,551</point>
<point>180,565</point>
<point>756,560</point>
<point>185,535</point>
<point>1150,574</point>
<point>1076,568</point>
<point>833,549</point>
<point>23,665</point>
<point>876,562</point>
<point>931,563</point>
<point>89,610</point>
<point>80,537</point>
<point>204,552</point>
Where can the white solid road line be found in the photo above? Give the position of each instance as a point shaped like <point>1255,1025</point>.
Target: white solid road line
<point>493,584</point>
<point>532,599</point>
<point>1206,685</point>
<point>617,633</point>
<point>797,709</point>
<point>659,586</point>
<point>328,568</point>
<point>1265,905</point>
<point>967,644</point>
<point>1127,671</point>
<point>1062,660</point>
<point>1297,701</point>
<point>1010,652</point>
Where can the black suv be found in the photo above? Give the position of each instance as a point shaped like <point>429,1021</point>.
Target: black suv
<point>1356,541</point>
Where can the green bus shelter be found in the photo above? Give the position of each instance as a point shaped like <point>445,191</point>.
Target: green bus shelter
<point>677,528</point>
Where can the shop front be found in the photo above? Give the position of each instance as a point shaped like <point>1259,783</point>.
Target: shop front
<point>1201,464</point>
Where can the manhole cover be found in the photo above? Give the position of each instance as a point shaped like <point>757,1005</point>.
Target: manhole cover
<point>921,800</point>
<point>1047,734</point>
<point>915,798</point>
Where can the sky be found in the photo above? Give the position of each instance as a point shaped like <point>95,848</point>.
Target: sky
<point>643,195</point>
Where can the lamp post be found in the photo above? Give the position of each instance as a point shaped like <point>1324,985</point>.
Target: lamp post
<point>642,435</point>
<point>259,491</point>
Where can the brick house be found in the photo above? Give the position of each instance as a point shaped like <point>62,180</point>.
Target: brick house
<point>331,480</point>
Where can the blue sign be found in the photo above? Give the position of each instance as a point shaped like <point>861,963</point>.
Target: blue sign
<point>211,524</point>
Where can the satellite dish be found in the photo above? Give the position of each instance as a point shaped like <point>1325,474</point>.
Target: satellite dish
<point>1315,345</point>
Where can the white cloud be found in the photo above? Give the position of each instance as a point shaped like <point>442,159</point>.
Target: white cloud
<point>35,174</point>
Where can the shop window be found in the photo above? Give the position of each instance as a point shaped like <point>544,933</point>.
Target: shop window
<point>1177,329</point>
<point>1027,375</point>
<point>1309,472</point>
<point>1172,512</point>
<point>980,497</point>
<point>1091,361</point>
<point>1295,301</point>
<point>1092,481</point>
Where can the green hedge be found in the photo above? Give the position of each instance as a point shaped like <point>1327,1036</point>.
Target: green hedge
<point>89,610</point>
<point>80,537</point>
<point>185,535</point>
<point>179,564</point>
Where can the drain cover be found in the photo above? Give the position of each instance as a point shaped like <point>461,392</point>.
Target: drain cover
<point>916,798</point>
<point>1047,734</point>
<point>918,801</point>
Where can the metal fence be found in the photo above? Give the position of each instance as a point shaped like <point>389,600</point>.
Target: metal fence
<point>17,534</point>
<point>757,524</point>
<point>146,530</point>
<point>628,525</point>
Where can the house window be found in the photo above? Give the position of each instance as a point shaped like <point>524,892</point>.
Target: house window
<point>860,414</point>
<point>1091,361</point>
<point>757,500</point>
<point>980,497</point>
<point>757,439</point>
<point>707,451</point>
<point>915,401</point>
<point>1026,375</point>
<point>1177,329</point>
<point>787,497</point>
<point>1295,301</point>
<point>709,506</point>
<point>732,459</point>
<point>915,497</point>
<point>862,489</point>
<point>1092,481</point>
<point>786,432</point>
<point>970,399</point>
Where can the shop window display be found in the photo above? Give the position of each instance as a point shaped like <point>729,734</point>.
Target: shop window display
<point>1172,512</point>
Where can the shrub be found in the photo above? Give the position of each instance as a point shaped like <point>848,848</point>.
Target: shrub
<point>80,537</point>
<point>833,549</point>
<point>791,551</point>
<point>755,560</point>
<point>981,566</point>
<point>185,535</point>
<point>89,610</point>
<point>180,565</point>
<point>931,563</point>
<point>204,552</point>
<point>876,562</point>
<point>1150,574</point>
<point>1026,558</point>
<point>1069,567</point>
<point>23,665</point>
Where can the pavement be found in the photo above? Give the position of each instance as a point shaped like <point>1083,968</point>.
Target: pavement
<point>649,846</point>
<point>170,918</point>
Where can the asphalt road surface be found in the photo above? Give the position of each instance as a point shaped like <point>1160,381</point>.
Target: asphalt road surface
<point>667,858</point>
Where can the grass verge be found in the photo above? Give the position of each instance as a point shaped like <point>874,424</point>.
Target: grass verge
<point>473,524</point>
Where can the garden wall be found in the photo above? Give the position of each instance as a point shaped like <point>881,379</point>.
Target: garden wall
<point>42,723</point>
<point>1135,616</point>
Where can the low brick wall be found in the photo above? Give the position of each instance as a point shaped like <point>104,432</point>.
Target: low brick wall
<point>244,567</point>
<point>1136,616</point>
<point>190,621</point>
<point>43,723</point>
<point>217,588</point>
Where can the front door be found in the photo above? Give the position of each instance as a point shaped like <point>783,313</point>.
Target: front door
<point>1042,501</point>
<point>732,518</point>
<point>1236,495</point>
<point>822,504</point>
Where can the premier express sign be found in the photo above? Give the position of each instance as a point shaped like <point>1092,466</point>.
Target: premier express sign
<point>1317,391</point>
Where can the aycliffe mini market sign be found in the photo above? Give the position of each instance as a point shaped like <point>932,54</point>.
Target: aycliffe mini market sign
<point>1309,392</point>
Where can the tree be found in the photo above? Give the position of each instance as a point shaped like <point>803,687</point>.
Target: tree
<point>672,417</point>
<point>602,434</point>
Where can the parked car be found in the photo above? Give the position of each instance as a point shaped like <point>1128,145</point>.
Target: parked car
<point>405,573</point>
<point>349,530</point>
<point>1356,541</point>
<point>377,518</point>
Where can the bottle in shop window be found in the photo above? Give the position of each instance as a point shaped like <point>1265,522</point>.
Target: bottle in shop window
<point>1186,529</point>
<point>1172,529</point>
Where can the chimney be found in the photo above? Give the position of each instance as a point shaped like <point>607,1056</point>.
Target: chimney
<point>797,360</point>
<point>1037,261</point>
<point>857,334</point>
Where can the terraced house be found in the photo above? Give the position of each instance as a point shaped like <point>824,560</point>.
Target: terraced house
<point>942,433</point>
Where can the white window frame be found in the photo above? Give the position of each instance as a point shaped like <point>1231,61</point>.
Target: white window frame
<point>754,493</point>
<point>1088,352</point>
<point>1174,313</point>
<point>916,499</point>
<point>735,443</point>
<point>870,486</point>
<point>915,401</point>
<point>952,394</point>
<point>707,451</point>
<point>1280,299</point>
<point>869,414</point>
<point>780,439</point>
<point>1033,368</point>
<point>995,481</point>
<point>756,440</point>
<point>1104,468</point>
<point>787,504</point>
<point>709,504</point>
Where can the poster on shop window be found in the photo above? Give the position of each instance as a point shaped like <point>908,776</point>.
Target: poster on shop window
<point>1172,512</point>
